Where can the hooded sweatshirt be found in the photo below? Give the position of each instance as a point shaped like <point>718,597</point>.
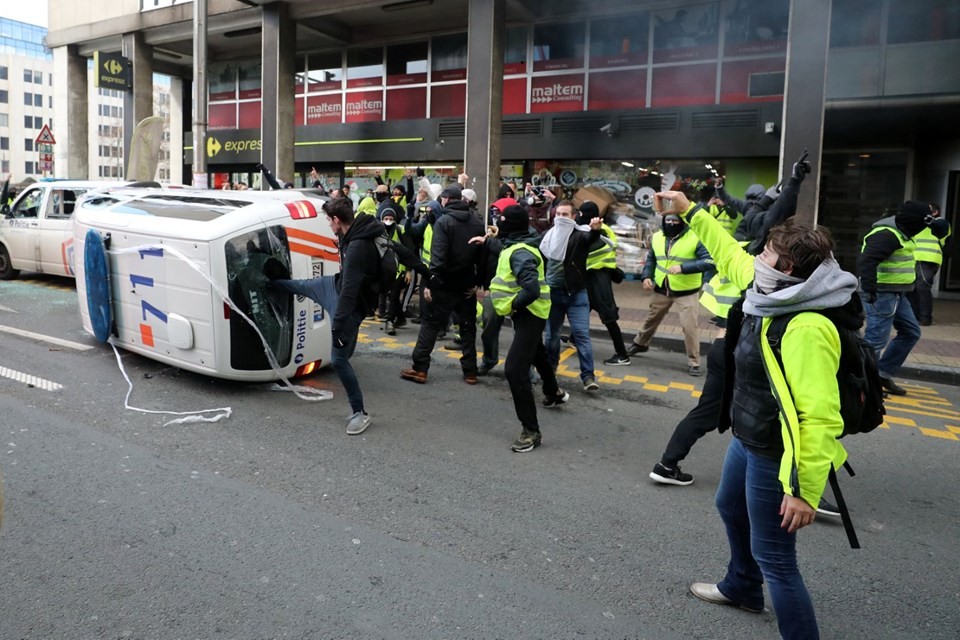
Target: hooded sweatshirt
<point>523,264</point>
<point>455,263</point>
<point>566,247</point>
<point>359,262</point>
<point>878,247</point>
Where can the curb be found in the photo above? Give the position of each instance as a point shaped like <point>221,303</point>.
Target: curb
<point>922,373</point>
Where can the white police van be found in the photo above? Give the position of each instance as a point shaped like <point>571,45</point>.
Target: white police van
<point>36,229</point>
<point>165,260</point>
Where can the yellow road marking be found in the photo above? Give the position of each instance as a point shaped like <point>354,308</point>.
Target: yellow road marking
<point>917,412</point>
<point>637,379</point>
<point>606,380</point>
<point>937,433</point>
<point>907,422</point>
<point>953,428</point>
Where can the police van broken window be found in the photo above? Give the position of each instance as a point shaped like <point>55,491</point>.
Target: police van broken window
<point>253,259</point>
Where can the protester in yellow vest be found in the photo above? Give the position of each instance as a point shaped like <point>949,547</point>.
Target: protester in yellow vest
<point>930,246</point>
<point>673,271</point>
<point>887,270</point>
<point>785,418</point>
<point>519,290</point>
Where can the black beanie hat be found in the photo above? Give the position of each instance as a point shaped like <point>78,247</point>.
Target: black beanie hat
<point>912,217</point>
<point>588,211</point>
<point>514,219</point>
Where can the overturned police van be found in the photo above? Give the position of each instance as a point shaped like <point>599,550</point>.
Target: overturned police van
<point>181,276</point>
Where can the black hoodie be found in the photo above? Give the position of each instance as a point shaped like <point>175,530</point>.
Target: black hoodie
<point>359,264</point>
<point>456,264</point>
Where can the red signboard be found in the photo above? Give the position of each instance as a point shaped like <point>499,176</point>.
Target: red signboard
<point>618,90</point>
<point>298,118</point>
<point>557,93</point>
<point>756,47</point>
<point>514,96</point>
<point>406,78</point>
<point>249,115</point>
<point>222,116</point>
<point>364,106</point>
<point>620,60</point>
<point>511,68</point>
<point>407,104</point>
<point>448,101</point>
<point>558,64</point>
<point>685,85</point>
<point>449,74</point>
<point>326,109</point>
<point>356,83</point>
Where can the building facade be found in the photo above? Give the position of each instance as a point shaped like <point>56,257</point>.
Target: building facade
<point>630,95</point>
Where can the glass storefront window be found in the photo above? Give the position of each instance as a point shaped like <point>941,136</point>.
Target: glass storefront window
<point>619,42</point>
<point>300,76</point>
<point>223,81</point>
<point>407,63</point>
<point>250,77</point>
<point>365,67</point>
<point>854,23</point>
<point>515,51</point>
<point>449,57</point>
<point>756,27</point>
<point>689,33</point>
<point>324,71</point>
<point>558,46</point>
<point>923,21</point>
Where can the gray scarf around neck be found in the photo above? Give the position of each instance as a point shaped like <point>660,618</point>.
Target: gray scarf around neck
<point>828,287</point>
<point>554,243</point>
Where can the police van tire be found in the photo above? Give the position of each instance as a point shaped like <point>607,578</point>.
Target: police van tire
<point>7,272</point>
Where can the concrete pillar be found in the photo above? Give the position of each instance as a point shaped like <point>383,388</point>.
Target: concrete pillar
<point>278,52</point>
<point>808,43</point>
<point>138,104</point>
<point>70,105</point>
<point>485,42</point>
<point>176,130</point>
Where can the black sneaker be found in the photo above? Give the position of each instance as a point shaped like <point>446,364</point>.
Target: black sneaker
<point>892,387</point>
<point>670,476</point>
<point>635,348</point>
<point>557,400</point>
<point>828,509</point>
<point>694,371</point>
<point>528,441</point>
<point>617,361</point>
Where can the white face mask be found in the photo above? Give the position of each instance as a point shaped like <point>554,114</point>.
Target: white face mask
<point>388,223</point>
<point>766,279</point>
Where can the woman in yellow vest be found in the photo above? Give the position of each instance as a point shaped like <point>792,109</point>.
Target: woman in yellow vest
<point>785,419</point>
<point>519,290</point>
<point>674,272</point>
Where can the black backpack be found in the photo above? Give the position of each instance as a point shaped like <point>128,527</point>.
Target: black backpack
<point>861,394</point>
<point>386,265</point>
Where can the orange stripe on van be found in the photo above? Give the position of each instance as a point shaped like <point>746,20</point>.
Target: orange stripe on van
<point>316,238</point>
<point>146,334</point>
<point>316,252</point>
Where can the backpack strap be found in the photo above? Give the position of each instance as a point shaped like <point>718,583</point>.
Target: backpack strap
<point>775,331</point>
<point>842,505</point>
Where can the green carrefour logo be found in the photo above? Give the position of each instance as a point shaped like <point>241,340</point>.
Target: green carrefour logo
<point>113,67</point>
<point>213,147</point>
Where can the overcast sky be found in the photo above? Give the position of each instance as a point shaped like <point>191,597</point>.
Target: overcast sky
<point>34,12</point>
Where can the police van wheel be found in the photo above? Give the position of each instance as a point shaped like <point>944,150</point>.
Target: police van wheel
<point>7,272</point>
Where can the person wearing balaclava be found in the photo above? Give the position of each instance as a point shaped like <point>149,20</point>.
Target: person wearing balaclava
<point>519,290</point>
<point>384,202</point>
<point>390,308</point>
<point>736,207</point>
<point>601,267</point>
<point>887,270</point>
<point>673,271</point>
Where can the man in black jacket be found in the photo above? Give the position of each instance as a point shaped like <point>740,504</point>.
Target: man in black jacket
<point>456,270</point>
<point>347,296</point>
<point>565,246</point>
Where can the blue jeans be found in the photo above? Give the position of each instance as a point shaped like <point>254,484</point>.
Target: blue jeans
<point>748,500</point>
<point>576,307</point>
<point>891,310</point>
<point>323,291</point>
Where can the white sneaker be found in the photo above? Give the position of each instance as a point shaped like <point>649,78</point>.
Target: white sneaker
<point>357,423</point>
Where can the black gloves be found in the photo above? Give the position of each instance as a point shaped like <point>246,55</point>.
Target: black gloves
<point>940,227</point>
<point>338,342</point>
<point>421,173</point>
<point>801,167</point>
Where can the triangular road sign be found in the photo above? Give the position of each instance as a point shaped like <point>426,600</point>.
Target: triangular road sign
<point>46,136</point>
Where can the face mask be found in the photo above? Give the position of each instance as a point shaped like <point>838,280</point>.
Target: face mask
<point>672,229</point>
<point>388,222</point>
<point>380,196</point>
<point>766,279</point>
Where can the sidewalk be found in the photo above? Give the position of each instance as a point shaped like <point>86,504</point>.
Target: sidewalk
<point>936,358</point>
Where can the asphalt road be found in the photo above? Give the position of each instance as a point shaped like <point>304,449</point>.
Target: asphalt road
<point>275,524</point>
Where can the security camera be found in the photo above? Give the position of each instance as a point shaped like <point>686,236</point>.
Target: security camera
<point>607,128</point>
